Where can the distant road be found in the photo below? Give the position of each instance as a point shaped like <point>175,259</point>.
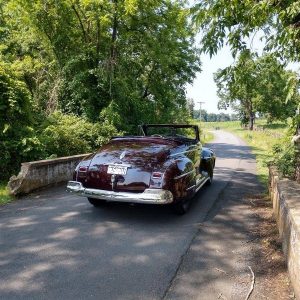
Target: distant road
<point>54,245</point>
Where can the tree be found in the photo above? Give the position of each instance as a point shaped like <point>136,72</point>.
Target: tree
<point>203,115</point>
<point>85,56</point>
<point>254,85</point>
<point>191,107</point>
<point>236,86</point>
<point>277,89</point>
<point>231,22</point>
<point>18,139</point>
<point>113,64</point>
<point>211,117</point>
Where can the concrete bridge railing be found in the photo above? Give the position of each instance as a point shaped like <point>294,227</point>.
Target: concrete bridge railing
<point>285,195</point>
<point>38,174</point>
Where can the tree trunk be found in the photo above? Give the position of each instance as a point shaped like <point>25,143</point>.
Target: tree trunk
<point>113,53</point>
<point>98,40</point>
<point>251,116</point>
<point>251,120</point>
<point>84,35</point>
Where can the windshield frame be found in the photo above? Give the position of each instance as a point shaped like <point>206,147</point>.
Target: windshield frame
<point>145,128</point>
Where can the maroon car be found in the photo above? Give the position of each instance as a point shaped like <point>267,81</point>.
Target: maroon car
<point>165,165</point>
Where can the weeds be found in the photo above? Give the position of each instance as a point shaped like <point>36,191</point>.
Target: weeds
<point>262,141</point>
<point>4,196</point>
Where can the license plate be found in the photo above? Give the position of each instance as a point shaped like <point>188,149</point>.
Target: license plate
<point>118,170</point>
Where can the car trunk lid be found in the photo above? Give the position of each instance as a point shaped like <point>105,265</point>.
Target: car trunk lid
<point>126,164</point>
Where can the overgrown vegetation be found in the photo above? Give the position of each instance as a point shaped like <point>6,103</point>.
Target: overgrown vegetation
<point>270,143</point>
<point>233,22</point>
<point>74,73</point>
<point>4,196</point>
<point>206,137</point>
<point>258,85</point>
<point>68,134</point>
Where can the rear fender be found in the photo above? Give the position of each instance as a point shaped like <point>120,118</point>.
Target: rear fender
<point>180,178</point>
<point>81,171</point>
<point>207,160</point>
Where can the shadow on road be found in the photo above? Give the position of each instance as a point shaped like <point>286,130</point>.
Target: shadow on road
<point>56,245</point>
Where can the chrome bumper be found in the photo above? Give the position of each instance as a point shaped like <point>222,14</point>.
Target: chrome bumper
<point>150,196</point>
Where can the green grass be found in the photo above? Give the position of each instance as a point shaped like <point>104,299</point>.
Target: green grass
<point>4,196</point>
<point>206,137</point>
<point>261,140</point>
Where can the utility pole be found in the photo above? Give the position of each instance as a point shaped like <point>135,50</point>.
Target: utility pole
<point>200,103</point>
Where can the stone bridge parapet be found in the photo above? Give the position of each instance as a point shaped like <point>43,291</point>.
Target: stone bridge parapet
<point>41,173</point>
<point>285,195</point>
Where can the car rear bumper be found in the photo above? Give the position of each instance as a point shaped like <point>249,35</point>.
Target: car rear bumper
<point>149,196</point>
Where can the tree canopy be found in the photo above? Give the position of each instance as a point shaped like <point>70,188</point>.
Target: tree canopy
<point>258,85</point>
<point>109,65</point>
<point>86,56</point>
<point>112,63</point>
<point>232,22</point>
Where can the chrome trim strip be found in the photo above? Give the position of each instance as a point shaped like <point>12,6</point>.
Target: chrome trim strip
<point>149,196</point>
<point>191,187</point>
<point>201,184</point>
<point>185,174</point>
<point>118,165</point>
<point>178,153</point>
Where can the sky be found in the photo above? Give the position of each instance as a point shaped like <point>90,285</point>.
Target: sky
<point>204,88</point>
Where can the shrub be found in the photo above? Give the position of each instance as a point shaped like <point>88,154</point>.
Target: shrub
<point>285,159</point>
<point>19,142</point>
<point>64,135</point>
<point>285,154</point>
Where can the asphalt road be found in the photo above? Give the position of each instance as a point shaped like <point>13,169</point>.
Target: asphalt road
<point>54,245</point>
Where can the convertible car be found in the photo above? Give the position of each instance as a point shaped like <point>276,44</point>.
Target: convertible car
<point>166,164</point>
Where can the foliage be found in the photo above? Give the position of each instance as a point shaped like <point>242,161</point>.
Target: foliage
<point>105,65</point>
<point>213,117</point>
<point>64,135</point>
<point>80,56</point>
<point>231,22</point>
<point>206,137</point>
<point>285,157</point>
<point>261,140</point>
<point>286,154</point>
<point>4,196</point>
<point>258,85</point>
<point>18,140</point>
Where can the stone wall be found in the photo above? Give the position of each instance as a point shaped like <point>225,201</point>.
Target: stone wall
<point>37,174</point>
<point>285,195</point>
<point>296,142</point>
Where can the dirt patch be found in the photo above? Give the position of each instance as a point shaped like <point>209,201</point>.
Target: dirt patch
<point>269,265</point>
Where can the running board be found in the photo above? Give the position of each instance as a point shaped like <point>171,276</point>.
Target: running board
<point>201,184</point>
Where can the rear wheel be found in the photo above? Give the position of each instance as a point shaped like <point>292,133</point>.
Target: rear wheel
<point>210,172</point>
<point>182,207</point>
<point>96,202</point>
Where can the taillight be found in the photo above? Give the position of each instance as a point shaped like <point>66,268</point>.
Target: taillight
<point>157,175</point>
<point>82,169</point>
<point>81,172</point>
<point>156,180</point>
